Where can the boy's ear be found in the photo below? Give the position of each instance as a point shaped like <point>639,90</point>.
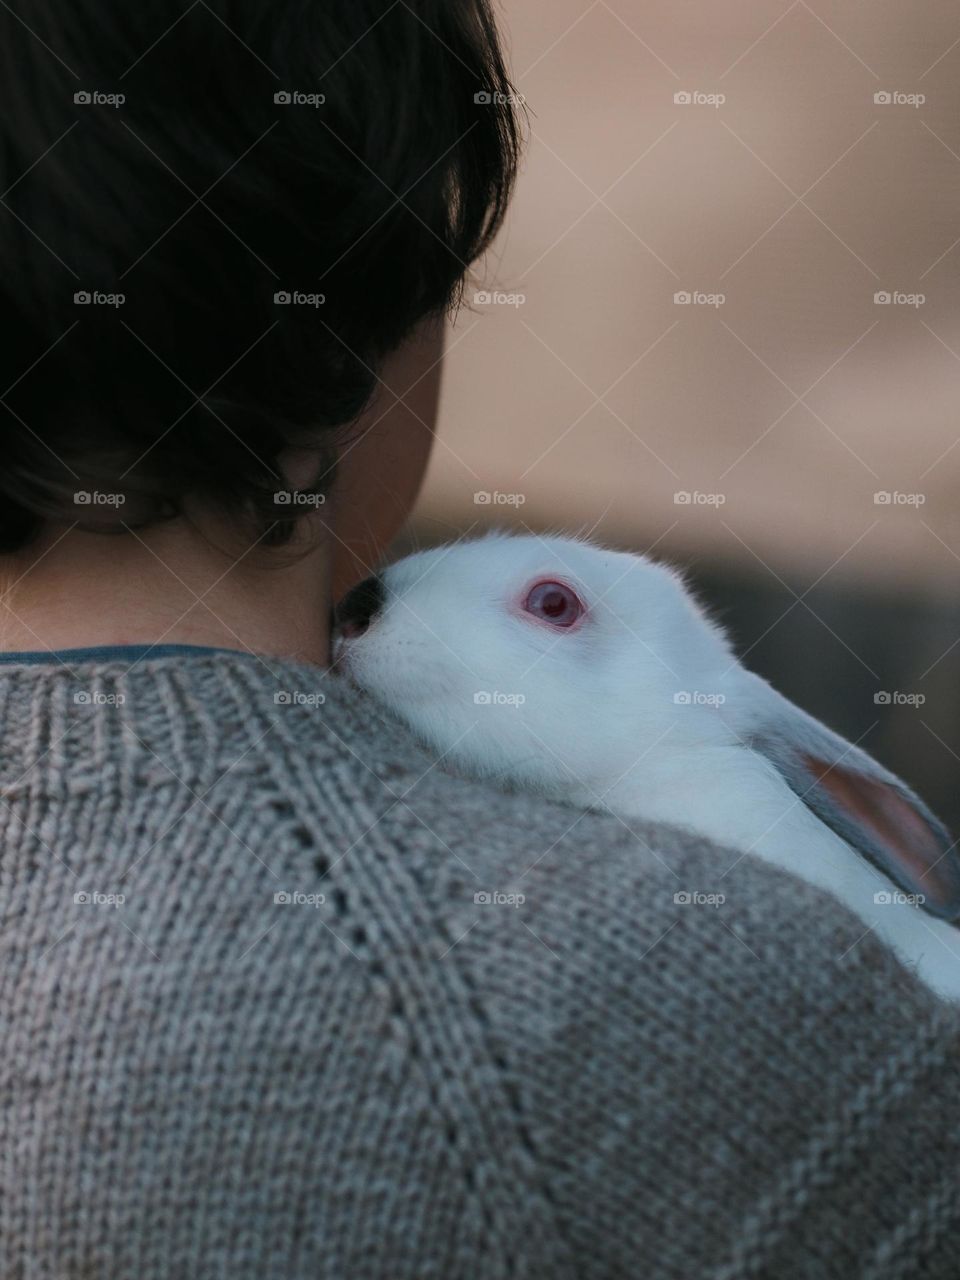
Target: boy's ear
<point>863,803</point>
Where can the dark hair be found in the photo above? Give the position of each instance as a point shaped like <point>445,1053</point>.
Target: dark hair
<point>220,183</point>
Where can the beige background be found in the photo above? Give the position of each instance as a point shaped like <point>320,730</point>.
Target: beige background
<point>798,198</point>
<point>797,399</point>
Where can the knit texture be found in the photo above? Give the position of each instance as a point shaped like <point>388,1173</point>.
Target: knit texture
<point>281,1000</point>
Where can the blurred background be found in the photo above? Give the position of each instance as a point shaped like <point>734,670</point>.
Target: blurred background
<point>722,325</point>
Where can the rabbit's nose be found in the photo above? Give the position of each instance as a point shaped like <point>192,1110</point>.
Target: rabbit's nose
<point>359,607</point>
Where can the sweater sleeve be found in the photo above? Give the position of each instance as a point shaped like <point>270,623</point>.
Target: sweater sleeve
<point>715,1071</point>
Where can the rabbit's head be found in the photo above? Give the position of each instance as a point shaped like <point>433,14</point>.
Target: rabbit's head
<point>559,665</point>
<point>528,658</point>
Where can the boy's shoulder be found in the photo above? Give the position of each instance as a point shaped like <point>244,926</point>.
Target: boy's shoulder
<point>589,1033</point>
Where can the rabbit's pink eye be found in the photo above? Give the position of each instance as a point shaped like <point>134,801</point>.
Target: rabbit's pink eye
<point>555,603</point>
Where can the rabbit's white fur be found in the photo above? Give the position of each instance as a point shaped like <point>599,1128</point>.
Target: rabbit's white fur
<point>643,709</point>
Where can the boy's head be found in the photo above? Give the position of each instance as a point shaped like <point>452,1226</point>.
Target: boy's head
<point>216,221</point>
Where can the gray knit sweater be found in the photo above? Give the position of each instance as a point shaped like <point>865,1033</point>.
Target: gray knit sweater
<point>280,1000</point>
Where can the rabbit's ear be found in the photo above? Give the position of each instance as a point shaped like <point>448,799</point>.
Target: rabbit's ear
<point>867,806</point>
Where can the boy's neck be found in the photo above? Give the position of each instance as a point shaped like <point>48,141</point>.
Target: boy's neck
<point>166,584</point>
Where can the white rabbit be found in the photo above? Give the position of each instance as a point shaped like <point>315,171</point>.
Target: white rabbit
<point>593,676</point>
